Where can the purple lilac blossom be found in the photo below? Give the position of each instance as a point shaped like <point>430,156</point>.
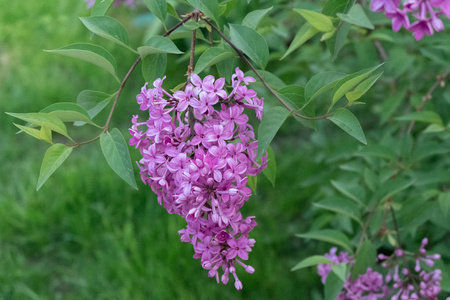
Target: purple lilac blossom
<point>199,165</point>
<point>416,284</point>
<point>426,14</point>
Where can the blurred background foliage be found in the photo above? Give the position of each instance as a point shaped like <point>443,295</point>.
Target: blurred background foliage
<point>87,235</point>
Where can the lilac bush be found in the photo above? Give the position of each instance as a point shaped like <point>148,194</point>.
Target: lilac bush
<point>197,153</point>
<point>426,14</point>
<point>129,3</point>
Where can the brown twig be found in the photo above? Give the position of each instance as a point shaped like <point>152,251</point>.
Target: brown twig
<point>271,90</point>
<point>440,80</point>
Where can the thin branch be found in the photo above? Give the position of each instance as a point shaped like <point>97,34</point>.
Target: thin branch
<point>440,81</point>
<point>366,226</point>
<point>271,90</point>
<point>396,227</point>
<point>380,49</point>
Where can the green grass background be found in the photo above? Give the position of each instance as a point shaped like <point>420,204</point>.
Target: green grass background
<point>86,234</point>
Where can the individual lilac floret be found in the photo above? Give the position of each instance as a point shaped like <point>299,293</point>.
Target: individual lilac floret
<point>198,165</point>
<point>426,14</point>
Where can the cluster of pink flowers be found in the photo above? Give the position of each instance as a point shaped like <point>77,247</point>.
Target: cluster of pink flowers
<point>425,12</point>
<point>405,285</point>
<point>129,3</point>
<point>197,150</point>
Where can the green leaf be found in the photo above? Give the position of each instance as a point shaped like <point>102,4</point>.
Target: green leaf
<point>90,53</point>
<point>68,112</point>
<point>320,84</point>
<point>303,35</point>
<point>46,134</point>
<point>101,7</point>
<point>317,20</point>
<point>209,7</point>
<point>333,286</point>
<point>253,18</point>
<point>393,187</point>
<point>33,132</point>
<point>350,81</point>
<point>311,261</point>
<point>108,28</point>
<point>115,150</point>
<point>341,270</point>
<point>210,57</point>
<point>53,159</point>
<point>356,16</point>
<point>294,96</point>
<point>347,121</point>
<point>43,119</point>
<point>422,116</point>
<point>362,88</point>
<point>341,206</point>
<point>251,43</point>
<point>93,101</point>
<point>333,7</point>
<point>171,11</point>
<point>349,190</point>
<point>328,235</point>
<point>154,66</point>
<point>271,79</point>
<point>365,258</point>
<point>444,202</point>
<point>158,8</point>
<point>378,151</point>
<point>158,44</point>
<point>270,123</point>
<point>252,183</point>
<point>271,171</point>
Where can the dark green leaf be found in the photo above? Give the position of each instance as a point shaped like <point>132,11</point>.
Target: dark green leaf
<point>209,7</point>
<point>294,96</point>
<point>344,119</point>
<point>333,286</point>
<point>365,258</point>
<point>377,150</point>
<point>311,261</point>
<point>270,123</point>
<point>333,7</point>
<point>210,57</point>
<point>154,66</point>
<point>303,35</point>
<point>356,16</point>
<point>107,28</point>
<point>90,53</point>
<point>444,202</point>
<point>158,44</point>
<point>422,116</point>
<point>341,206</point>
<point>253,18</point>
<point>317,20</point>
<point>328,235</point>
<point>271,171</point>
<point>392,187</point>
<point>251,43</point>
<point>158,8</point>
<point>320,84</point>
<point>115,150</point>
<point>53,158</point>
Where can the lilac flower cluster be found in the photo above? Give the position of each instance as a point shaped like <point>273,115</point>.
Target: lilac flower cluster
<point>405,285</point>
<point>129,3</point>
<point>425,12</point>
<point>197,150</point>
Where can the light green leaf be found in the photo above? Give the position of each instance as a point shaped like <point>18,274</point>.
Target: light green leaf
<point>33,132</point>
<point>171,11</point>
<point>158,44</point>
<point>210,57</point>
<point>341,270</point>
<point>356,16</point>
<point>209,7</point>
<point>328,235</point>
<point>158,8</point>
<point>311,261</point>
<point>333,286</point>
<point>320,84</point>
<point>271,171</point>
<point>350,81</point>
<point>101,7</point>
<point>154,66</point>
<point>108,28</point>
<point>46,134</point>
<point>115,150</point>
<point>253,18</point>
<point>317,20</point>
<point>365,258</point>
<point>68,112</point>
<point>252,183</point>
<point>270,123</point>
<point>303,35</point>
<point>347,121</point>
<point>90,53</point>
<point>53,158</point>
<point>43,119</point>
<point>93,101</point>
<point>422,116</point>
<point>362,88</point>
<point>251,43</point>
